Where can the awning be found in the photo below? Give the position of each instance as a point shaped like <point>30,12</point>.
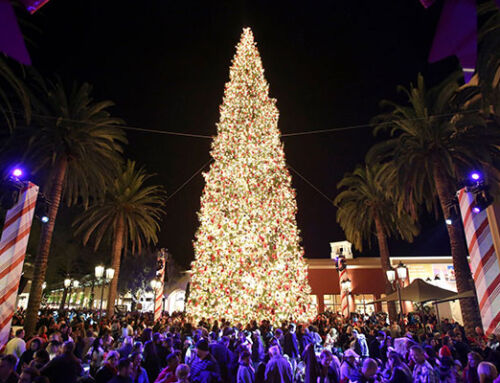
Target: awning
<point>419,291</point>
<point>467,294</point>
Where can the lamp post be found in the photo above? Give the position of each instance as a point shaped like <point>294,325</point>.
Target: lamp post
<point>67,284</point>
<point>75,284</point>
<point>397,277</point>
<point>99,273</point>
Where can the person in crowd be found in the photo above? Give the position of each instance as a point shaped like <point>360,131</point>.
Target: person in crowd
<point>423,372</point>
<point>360,344</point>
<point>220,351</point>
<point>16,346</point>
<point>96,355</point>
<point>126,349</point>
<point>278,369</point>
<point>348,369</point>
<point>258,348</point>
<point>369,371</point>
<point>290,343</point>
<point>397,370</point>
<point>487,372</point>
<point>40,359</point>
<point>8,369</point>
<point>28,375</point>
<point>29,354</point>
<point>139,374</point>
<point>470,371</point>
<point>204,367</point>
<point>152,356</point>
<point>311,364</point>
<point>329,372</point>
<point>167,375</point>
<point>125,370</point>
<point>109,368</point>
<point>65,368</point>
<point>246,373</point>
<point>182,373</point>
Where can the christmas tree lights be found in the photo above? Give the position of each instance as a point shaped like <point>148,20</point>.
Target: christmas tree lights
<point>248,260</point>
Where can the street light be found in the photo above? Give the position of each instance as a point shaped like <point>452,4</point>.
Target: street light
<point>391,275</point>
<point>44,285</point>
<point>99,271</point>
<point>402,273</point>
<point>67,282</point>
<point>110,273</point>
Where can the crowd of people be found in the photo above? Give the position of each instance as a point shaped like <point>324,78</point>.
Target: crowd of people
<point>85,347</point>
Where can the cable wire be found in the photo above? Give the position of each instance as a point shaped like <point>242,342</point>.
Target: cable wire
<point>188,180</point>
<point>332,130</point>
<point>310,183</point>
<point>373,124</point>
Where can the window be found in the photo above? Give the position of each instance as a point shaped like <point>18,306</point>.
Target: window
<point>361,301</point>
<point>332,302</point>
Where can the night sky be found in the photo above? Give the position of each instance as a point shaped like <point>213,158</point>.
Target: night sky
<point>164,63</point>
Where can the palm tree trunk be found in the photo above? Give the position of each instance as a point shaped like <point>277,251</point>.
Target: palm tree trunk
<point>386,265</point>
<point>470,309</point>
<point>42,255</point>
<point>115,264</point>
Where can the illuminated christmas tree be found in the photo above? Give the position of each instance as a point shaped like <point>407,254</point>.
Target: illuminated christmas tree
<point>248,259</point>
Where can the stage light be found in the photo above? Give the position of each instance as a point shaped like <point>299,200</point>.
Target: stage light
<point>17,172</point>
<point>44,219</point>
<point>475,176</point>
<point>448,221</point>
<point>476,210</point>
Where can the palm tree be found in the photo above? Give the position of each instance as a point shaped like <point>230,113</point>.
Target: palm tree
<point>432,145</point>
<point>364,208</point>
<point>13,91</point>
<point>78,145</point>
<point>130,213</point>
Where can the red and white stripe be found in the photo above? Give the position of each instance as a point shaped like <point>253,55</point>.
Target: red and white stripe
<point>483,262</point>
<point>160,275</point>
<point>13,243</point>
<point>344,294</point>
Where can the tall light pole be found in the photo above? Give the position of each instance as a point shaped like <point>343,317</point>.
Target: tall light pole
<point>75,285</point>
<point>110,273</point>
<point>99,273</point>
<point>401,273</point>
<point>67,284</point>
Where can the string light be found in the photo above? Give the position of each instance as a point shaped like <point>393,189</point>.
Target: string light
<point>248,263</point>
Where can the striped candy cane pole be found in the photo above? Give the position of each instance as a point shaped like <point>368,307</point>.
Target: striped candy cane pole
<point>344,297</point>
<point>160,276</point>
<point>483,261</point>
<point>13,243</point>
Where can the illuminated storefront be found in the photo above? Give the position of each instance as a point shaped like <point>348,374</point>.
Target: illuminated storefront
<point>368,281</point>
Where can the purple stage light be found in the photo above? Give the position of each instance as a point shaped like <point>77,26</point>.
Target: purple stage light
<point>475,176</point>
<point>476,210</point>
<point>17,172</point>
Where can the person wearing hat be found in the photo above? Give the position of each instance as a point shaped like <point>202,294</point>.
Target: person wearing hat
<point>204,367</point>
<point>348,369</point>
